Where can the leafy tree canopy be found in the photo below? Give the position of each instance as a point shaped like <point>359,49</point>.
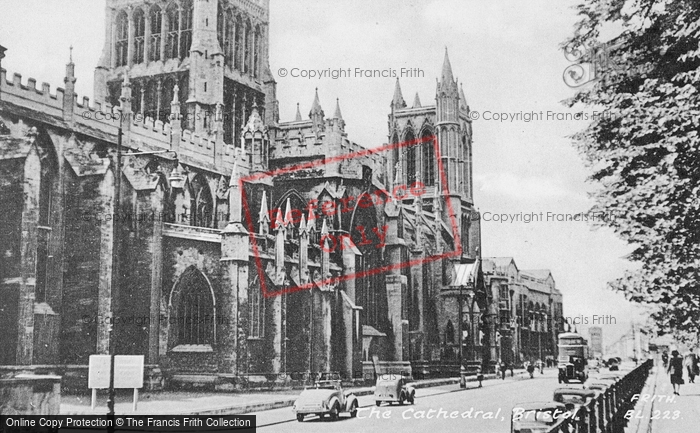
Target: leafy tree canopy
<point>644,154</point>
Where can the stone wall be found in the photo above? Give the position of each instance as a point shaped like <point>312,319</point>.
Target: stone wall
<point>30,395</point>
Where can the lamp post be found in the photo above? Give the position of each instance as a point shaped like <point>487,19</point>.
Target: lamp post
<point>116,256</point>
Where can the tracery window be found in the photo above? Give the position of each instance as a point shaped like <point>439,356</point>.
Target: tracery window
<point>139,35</point>
<point>122,39</point>
<point>156,21</point>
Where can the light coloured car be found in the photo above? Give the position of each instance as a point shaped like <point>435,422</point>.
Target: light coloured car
<point>326,398</point>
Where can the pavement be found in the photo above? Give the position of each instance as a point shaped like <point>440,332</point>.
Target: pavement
<point>659,411</point>
<point>210,403</point>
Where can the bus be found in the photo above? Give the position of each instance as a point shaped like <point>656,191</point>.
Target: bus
<point>573,357</point>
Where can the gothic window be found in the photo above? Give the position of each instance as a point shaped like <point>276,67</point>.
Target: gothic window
<point>228,39</point>
<point>151,99</point>
<point>255,305</point>
<point>256,53</point>
<point>186,30</point>
<point>139,35</point>
<point>122,39</point>
<point>167,98</point>
<point>156,21</point>
<point>195,314</point>
<point>172,42</point>
<point>202,203</point>
<point>428,160</point>
<point>237,44</point>
<point>225,34</point>
<point>411,159</point>
<point>246,53</point>
<point>43,236</point>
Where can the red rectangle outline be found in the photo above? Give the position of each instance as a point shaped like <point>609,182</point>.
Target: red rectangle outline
<point>318,162</point>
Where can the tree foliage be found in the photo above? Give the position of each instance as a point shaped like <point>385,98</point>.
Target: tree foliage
<point>644,153</point>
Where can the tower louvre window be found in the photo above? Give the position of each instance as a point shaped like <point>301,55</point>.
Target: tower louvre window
<point>256,53</point>
<point>173,38</point>
<point>237,44</point>
<point>246,53</point>
<point>139,34</point>
<point>156,21</point>
<point>122,39</point>
<point>186,30</point>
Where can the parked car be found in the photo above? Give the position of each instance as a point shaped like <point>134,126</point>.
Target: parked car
<point>394,388</point>
<point>538,417</point>
<point>573,398</point>
<point>326,398</point>
<point>598,384</point>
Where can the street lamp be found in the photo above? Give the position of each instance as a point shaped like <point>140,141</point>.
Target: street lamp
<point>115,247</point>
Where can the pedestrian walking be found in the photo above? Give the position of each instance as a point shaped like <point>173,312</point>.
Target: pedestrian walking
<point>691,364</point>
<point>504,367</point>
<point>675,369</point>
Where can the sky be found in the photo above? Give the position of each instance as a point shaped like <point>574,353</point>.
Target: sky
<point>507,55</point>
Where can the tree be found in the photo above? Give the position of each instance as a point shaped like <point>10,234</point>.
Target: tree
<point>644,152</point>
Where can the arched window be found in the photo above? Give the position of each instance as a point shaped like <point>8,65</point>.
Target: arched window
<point>411,159</point>
<point>256,53</point>
<point>428,159</point>
<point>186,30</point>
<point>173,21</point>
<point>202,203</point>
<point>167,98</point>
<point>246,53</point>
<point>225,33</point>
<point>156,20</point>
<point>122,39</point>
<point>139,35</point>
<point>238,52</point>
<point>255,309</point>
<point>228,39</point>
<point>195,309</point>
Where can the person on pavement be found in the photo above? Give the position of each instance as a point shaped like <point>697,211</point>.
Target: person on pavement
<point>675,369</point>
<point>691,364</point>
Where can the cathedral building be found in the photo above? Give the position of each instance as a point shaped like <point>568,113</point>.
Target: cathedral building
<point>177,216</point>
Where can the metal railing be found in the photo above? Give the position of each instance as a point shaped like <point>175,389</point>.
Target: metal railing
<point>606,412</point>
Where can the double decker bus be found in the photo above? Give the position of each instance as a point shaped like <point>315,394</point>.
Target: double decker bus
<point>573,357</point>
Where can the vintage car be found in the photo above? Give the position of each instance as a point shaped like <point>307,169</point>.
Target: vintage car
<point>598,384</point>
<point>394,388</point>
<point>613,364</point>
<point>538,417</point>
<point>573,398</point>
<point>327,397</point>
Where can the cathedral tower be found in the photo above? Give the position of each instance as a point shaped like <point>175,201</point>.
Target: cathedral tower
<point>215,52</point>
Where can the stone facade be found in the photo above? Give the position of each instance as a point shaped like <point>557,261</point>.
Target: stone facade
<point>529,308</point>
<point>162,246</point>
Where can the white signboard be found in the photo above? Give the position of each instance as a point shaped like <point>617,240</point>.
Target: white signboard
<point>98,372</point>
<point>128,371</point>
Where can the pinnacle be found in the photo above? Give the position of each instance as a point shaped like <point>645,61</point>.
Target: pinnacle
<point>264,215</point>
<point>316,107</point>
<point>234,175</point>
<point>298,116</point>
<point>398,101</point>
<point>447,69</point>
<point>416,101</point>
<point>338,114</point>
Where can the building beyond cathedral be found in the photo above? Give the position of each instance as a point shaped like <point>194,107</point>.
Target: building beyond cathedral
<point>178,261</point>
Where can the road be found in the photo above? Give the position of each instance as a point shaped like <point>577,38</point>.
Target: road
<point>485,410</point>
